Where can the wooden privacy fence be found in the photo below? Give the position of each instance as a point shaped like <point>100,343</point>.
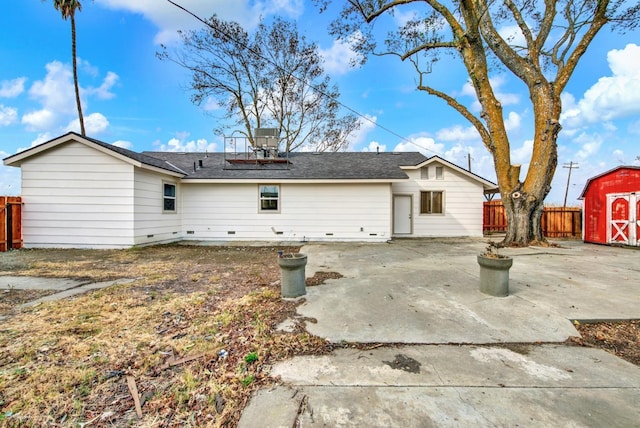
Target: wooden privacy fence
<point>557,222</point>
<point>10,222</point>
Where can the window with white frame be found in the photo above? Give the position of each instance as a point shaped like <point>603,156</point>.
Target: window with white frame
<point>269,198</point>
<point>439,173</point>
<point>168,197</point>
<point>432,202</point>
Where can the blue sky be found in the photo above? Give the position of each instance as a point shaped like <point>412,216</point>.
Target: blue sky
<point>133,100</point>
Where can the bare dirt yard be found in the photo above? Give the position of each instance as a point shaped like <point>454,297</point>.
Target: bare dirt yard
<point>190,338</point>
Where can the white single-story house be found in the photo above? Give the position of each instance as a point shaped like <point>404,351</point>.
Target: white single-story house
<point>79,192</point>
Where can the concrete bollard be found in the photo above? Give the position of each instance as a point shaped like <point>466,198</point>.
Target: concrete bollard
<point>494,275</point>
<point>292,282</point>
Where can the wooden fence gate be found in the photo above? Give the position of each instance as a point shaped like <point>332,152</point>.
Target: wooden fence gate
<point>557,222</point>
<point>10,222</point>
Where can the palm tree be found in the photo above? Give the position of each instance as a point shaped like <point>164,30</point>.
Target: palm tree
<point>68,10</point>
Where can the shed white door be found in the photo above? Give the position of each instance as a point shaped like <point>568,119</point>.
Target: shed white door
<point>623,219</point>
<point>401,214</point>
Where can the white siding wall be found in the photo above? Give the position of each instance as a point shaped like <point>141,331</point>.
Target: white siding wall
<point>77,197</point>
<point>463,199</point>
<point>307,212</point>
<point>152,225</point>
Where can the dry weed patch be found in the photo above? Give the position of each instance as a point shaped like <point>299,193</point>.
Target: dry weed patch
<point>195,334</point>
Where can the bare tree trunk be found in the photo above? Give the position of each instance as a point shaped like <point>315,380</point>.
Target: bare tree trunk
<point>524,200</point>
<point>524,220</point>
<point>75,74</point>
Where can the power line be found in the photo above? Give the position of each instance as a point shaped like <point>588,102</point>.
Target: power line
<point>230,37</point>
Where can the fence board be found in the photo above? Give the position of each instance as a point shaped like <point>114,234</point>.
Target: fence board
<point>557,222</point>
<point>10,222</point>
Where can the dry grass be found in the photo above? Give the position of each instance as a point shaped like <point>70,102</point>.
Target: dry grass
<point>621,338</point>
<point>65,363</point>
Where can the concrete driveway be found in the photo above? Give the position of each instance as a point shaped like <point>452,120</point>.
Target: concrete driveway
<point>444,354</point>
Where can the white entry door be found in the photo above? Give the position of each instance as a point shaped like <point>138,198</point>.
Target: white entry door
<point>401,214</point>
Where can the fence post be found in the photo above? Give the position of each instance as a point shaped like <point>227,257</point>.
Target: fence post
<point>9,227</point>
<point>10,223</point>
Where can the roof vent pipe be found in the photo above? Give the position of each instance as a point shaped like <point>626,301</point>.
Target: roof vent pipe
<point>200,163</point>
<point>378,149</point>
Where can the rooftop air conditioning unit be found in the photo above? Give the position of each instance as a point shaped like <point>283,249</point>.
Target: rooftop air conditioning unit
<point>266,137</point>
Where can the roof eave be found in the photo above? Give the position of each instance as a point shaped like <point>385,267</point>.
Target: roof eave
<point>486,184</point>
<point>290,180</point>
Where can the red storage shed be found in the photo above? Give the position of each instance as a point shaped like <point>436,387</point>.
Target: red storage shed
<point>611,207</point>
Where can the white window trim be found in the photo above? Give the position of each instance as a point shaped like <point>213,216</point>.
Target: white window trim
<point>175,198</point>
<point>279,199</point>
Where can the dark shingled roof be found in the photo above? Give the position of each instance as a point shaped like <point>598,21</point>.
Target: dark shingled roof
<point>140,157</point>
<point>300,166</point>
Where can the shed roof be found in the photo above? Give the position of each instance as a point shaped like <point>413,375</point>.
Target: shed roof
<point>596,177</point>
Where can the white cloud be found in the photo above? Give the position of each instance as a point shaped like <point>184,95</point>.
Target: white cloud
<point>8,115</point>
<point>618,155</point>
<point>513,35</point>
<point>56,94</point>
<point>181,145</point>
<point>124,144</point>
<point>169,19</point>
<point>421,143</point>
<point>375,146</point>
<point>590,145</point>
<point>41,138</point>
<point>611,97</point>
<point>338,58</point>
<point>103,92</point>
<point>39,120</point>
<point>366,126</point>
<point>497,82</point>
<point>9,178</point>
<point>12,88</point>
<point>94,124</point>
<point>87,67</point>
<point>211,105</point>
<point>522,154</point>
<point>458,133</point>
<point>513,121</point>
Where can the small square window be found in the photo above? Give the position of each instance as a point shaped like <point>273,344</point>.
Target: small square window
<point>169,197</point>
<point>431,202</point>
<point>270,198</point>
